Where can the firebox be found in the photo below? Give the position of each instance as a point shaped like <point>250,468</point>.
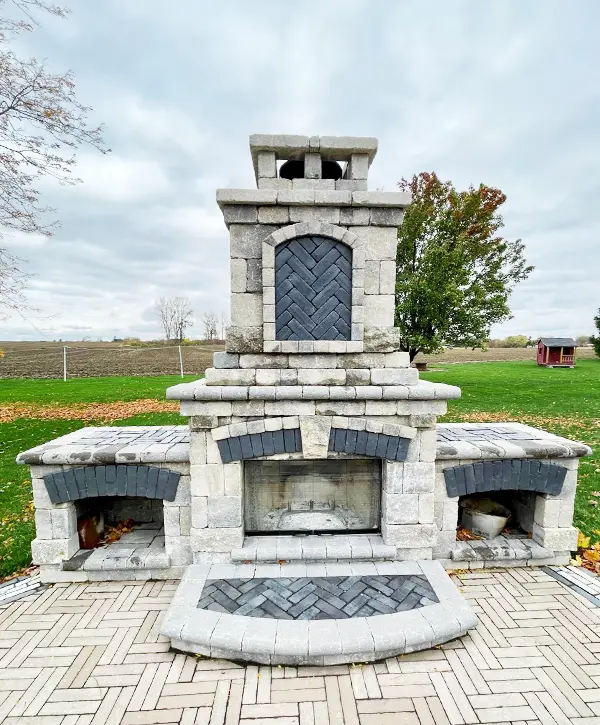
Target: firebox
<point>317,496</point>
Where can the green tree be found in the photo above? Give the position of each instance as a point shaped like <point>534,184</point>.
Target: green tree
<point>516,341</point>
<point>595,339</point>
<point>454,271</point>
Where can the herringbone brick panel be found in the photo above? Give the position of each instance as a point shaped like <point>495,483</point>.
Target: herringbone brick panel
<point>313,290</point>
<point>91,654</point>
<point>334,597</point>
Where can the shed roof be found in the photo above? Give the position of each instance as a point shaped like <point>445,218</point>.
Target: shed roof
<point>558,341</point>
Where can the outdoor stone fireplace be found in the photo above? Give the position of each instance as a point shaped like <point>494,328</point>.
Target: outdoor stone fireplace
<point>311,438</point>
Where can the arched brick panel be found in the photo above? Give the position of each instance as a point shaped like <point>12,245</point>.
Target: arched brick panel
<point>519,474</point>
<point>313,289</point>
<point>94,481</point>
<point>364,443</point>
<point>254,445</point>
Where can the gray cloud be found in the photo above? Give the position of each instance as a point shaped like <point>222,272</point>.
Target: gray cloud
<point>501,93</point>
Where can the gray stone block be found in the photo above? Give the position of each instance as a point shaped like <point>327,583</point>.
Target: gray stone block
<point>244,339</point>
<point>224,511</point>
<point>274,215</point>
<point>247,239</point>
<point>242,214</point>
<point>381,339</point>
<point>226,360</point>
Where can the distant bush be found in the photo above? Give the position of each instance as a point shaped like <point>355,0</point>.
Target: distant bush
<point>595,340</point>
<point>511,341</point>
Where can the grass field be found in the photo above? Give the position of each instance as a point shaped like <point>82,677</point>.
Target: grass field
<point>566,402</point>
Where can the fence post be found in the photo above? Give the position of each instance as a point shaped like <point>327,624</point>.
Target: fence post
<point>65,363</point>
<point>180,361</point>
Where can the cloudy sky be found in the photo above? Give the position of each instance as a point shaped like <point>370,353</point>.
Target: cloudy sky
<point>506,93</point>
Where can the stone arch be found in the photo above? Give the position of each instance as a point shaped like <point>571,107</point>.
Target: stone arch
<point>517,474</point>
<point>124,480</point>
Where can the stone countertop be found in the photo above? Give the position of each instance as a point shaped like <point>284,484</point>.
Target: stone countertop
<point>106,445</point>
<point>199,390</point>
<point>503,440</point>
<point>170,444</point>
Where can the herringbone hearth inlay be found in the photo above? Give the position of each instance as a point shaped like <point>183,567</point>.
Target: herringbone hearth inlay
<point>337,597</point>
<point>313,289</point>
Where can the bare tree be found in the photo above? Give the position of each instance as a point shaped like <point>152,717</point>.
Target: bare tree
<point>224,323</point>
<point>164,309</point>
<point>41,123</point>
<point>210,322</point>
<point>12,284</point>
<point>183,316</point>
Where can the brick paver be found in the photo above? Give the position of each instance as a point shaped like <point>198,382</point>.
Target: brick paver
<point>91,654</point>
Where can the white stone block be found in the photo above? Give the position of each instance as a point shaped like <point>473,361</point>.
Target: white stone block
<point>226,376</point>
<point>232,473</point>
<point>312,166</point>
<point>185,520</point>
<point>212,450</point>
<point>224,512</point>
<point>64,522</point>
<point>171,519</point>
<point>379,242</point>
<point>396,360</point>
<point>268,377</point>
<point>246,309</point>
<point>547,512</point>
<point>426,501</point>
<point>290,407</point>
<point>207,480</point>
<point>41,499</point>
<point>266,164</point>
<point>394,376</point>
<point>216,540</point>
<point>428,444</point>
<point>315,431</point>
<point>379,310</point>
<point>330,376</point>
<point>400,508</point>
<point>199,512</point>
<point>393,476</point>
<point>567,510</point>
<point>53,551</point>
<point>358,167</point>
<point>418,477</point>
<point>372,277</point>
<point>197,447</point>
<point>406,536</point>
<point>238,274</point>
<point>387,277</point>
<point>414,554</point>
<point>557,539</point>
<point>380,407</point>
<point>178,550</point>
<point>43,524</point>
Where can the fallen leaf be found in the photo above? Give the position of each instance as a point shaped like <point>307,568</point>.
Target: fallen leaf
<point>583,542</point>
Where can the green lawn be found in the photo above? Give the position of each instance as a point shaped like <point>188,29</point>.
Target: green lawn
<point>566,402</point>
<point>563,401</point>
<point>88,390</point>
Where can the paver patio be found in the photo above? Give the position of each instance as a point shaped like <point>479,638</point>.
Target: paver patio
<point>90,653</point>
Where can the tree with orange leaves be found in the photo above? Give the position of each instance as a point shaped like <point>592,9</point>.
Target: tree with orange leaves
<point>455,272</point>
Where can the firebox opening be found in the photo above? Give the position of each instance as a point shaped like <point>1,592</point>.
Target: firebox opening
<point>312,497</point>
<point>124,520</point>
<point>496,513</point>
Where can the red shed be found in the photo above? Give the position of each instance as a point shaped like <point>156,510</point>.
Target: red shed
<point>556,352</point>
